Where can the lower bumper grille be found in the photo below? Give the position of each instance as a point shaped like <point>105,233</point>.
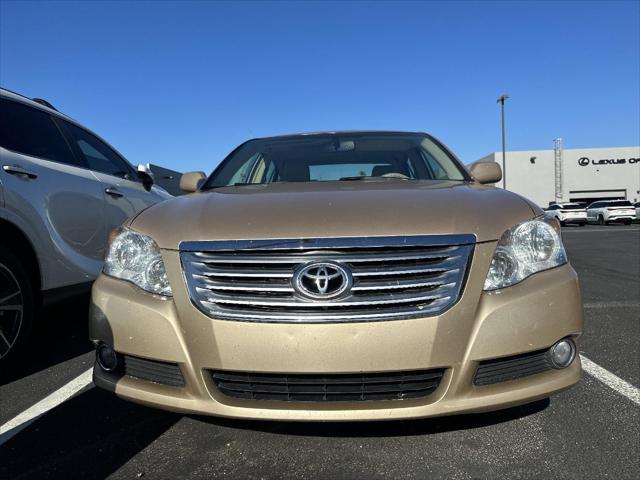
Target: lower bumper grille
<point>328,388</point>
<point>511,368</point>
<point>159,372</point>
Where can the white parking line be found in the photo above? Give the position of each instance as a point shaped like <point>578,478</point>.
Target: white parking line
<point>613,304</point>
<point>22,420</point>
<point>610,380</point>
<point>588,230</point>
<point>31,414</point>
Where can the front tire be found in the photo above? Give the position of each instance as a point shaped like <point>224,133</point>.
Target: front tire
<point>601,220</point>
<point>17,305</point>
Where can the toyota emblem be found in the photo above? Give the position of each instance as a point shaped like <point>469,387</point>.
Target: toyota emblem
<point>322,280</point>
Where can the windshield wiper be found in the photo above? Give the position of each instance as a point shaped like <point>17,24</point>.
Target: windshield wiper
<point>366,177</point>
<point>348,179</point>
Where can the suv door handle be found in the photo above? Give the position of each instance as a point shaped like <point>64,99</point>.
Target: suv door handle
<point>17,170</point>
<point>113,192</point>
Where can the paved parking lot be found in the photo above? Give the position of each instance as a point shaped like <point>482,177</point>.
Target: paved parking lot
<point>591,431</point>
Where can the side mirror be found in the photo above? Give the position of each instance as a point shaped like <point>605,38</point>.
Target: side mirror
<point>486,172</point>
<point>190,182</point>
<point>146,176</point>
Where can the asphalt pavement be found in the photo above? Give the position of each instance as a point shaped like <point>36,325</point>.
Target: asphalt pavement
<point>590,431</point>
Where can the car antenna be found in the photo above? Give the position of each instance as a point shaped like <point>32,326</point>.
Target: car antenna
<point>42,101</point>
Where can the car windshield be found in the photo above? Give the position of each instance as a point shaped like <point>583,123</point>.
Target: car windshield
<point>620,203</point>
<point>341,157</point>
<point>574,206</point>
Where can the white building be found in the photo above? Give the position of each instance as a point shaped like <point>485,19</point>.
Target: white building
<point>585,174</point>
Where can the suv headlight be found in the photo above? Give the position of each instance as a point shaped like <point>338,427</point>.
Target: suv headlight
<point>136,258</point>
<point>525,249</point>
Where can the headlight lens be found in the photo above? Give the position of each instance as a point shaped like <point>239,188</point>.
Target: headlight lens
<point>136,258</point>
<point>523,250</point>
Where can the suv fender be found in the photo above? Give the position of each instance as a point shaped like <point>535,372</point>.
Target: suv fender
<point>19,243</point>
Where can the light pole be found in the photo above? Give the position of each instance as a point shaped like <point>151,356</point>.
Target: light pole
<point>504,154</point>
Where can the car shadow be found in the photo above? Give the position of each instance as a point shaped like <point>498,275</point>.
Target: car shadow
<point>60,333</point>
<point>95,433</point>
<point>391,428</point>
<point>89,436</point>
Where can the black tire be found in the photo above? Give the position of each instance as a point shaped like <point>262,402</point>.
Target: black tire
<point>17,305</point>
<point>601,220</point>
<point>627,222</point>
<point>582,224</point>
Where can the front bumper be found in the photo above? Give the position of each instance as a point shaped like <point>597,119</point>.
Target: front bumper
<point>526,317</point>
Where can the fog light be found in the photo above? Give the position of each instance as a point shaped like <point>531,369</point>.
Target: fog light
<point>563,353</point>
<point>106,357</point>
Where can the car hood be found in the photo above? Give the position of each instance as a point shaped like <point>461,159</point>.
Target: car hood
<point>388,207</point>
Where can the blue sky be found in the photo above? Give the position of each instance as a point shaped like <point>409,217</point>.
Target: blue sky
<point>182,83</point>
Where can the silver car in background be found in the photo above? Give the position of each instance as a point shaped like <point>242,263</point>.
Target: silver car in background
<point>62,190</point>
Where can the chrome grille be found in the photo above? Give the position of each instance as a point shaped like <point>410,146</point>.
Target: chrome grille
<point>393,277</point>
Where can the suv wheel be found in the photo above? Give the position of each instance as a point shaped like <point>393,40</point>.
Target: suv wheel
<point>16,304</point>
<point>601,220</point>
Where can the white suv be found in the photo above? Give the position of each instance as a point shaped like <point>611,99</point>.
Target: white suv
<point>568,213</point>
<point>608,211</point>
<point>62,190</point>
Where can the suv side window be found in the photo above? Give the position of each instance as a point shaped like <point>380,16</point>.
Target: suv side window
<point>98,155</point>
<point>30,131</point>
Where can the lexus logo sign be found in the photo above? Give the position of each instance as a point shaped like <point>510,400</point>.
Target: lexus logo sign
<point>584,161</point>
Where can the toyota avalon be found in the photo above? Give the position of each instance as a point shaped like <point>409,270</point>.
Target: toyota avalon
<point>338,276</point>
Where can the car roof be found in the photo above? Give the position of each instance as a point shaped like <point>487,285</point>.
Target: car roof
<point>4,93</point>
<point>338,132</point>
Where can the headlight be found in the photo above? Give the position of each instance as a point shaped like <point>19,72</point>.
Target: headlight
<point>136,258</point>
<point>523,250</point>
